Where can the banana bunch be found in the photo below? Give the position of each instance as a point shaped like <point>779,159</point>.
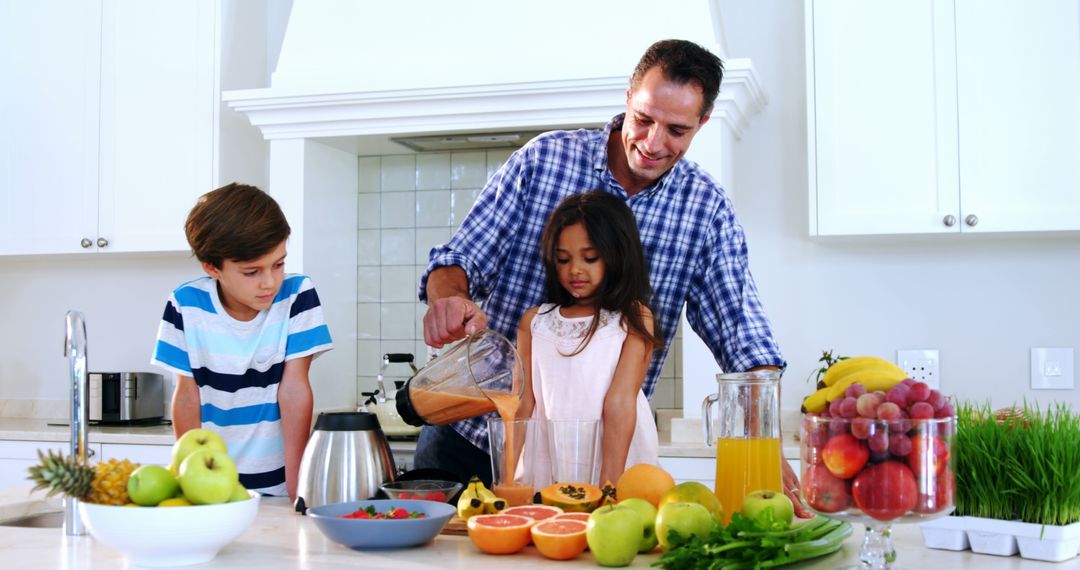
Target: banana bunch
<point>477,499</point>
<point>872,372</point>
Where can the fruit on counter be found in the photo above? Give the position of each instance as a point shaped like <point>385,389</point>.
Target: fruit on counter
<point>647,512</point>
<point>208,477</point>
<point>824,491</point>
<point>572,497</point>
<point>871,372</point>
<point>193,440</point>
<point>470,503</point>
<point>684,518</point>
<point>105,483</point>
<point>500,534</point>
<point>844,455</point>
<point>240,493</point>
<point>369,513</point>
<point>757,502</point>
<point>150,484</point>
<point>535,512</point>
<point>694,492</point>
<point>938,497</point>
<point>175,502</point>
<point>492,503</point>
<point>614,535</point>
<point>610,496</point>
<point>559,539</point>
<point>583,517</point>
<point>644,481</point>
<point>929,454</point>
<point>885,491</point>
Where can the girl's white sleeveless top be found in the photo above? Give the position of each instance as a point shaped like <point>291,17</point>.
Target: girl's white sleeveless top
<point>574,387</point>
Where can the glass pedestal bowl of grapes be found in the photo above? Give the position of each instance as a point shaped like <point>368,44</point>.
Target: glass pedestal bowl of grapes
<point>880,458</point>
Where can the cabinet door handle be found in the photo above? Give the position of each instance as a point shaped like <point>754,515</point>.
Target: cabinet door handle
<point>949,220</point>
<point>102,242</point>
<point>86,243</point>
<point>972,220</point>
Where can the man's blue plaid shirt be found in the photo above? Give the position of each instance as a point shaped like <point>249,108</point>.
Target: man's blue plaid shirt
<point>695,249</point>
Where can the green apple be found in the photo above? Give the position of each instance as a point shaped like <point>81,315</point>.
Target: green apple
<point>686,519</point>
<point>647,512</point>
<point>694,492</point>
<point>208,477</point>
<point>757,502</point>
<point>240,493</point>
<point>614,534</point>
<point>193,440</point>
<point>150,484</point>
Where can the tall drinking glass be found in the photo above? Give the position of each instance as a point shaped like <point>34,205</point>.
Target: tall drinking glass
<point>514,446</point>
<point>574,450</point>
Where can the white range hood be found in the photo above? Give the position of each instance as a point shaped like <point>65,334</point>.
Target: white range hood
<point>352,75</point>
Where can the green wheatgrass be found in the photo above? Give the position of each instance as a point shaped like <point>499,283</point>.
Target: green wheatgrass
<point>1026,468</point>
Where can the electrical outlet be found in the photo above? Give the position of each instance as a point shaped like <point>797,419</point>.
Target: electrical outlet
<point>1052,369</point>
<point>921,365</point>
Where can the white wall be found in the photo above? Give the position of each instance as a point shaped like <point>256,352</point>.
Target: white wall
<point>983,301</point>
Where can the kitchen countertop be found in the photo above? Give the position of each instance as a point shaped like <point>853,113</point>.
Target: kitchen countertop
<point>30,429</point>
<point>280,538</point>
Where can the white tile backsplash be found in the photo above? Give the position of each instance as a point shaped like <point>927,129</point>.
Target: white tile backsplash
<point>495,159</point>
<point>369,284</point>
<point>368,357</point>
<point>370,174</point>
<point>399,283</point>
<point>427,238</point>
<point>367,321</point>
<point>398,321</point>
<point>368,248</point>
<point>368,207</point>
<point>433,171</point>
<point>468,169</point>
<point>398,173</point>
<point>461,201</point>
<point>433,209</point>
<point>398,210</point>
<point>398,246</point>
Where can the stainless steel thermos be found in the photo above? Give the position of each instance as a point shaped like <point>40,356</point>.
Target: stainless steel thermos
<point>346,459</point>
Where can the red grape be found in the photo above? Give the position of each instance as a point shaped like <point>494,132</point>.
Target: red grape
<point>878,441</point>
<point>936,399</point>
<point>861,428</point>
<point>919,392</point>
<point>907,382</point>
<point>848,408</point>
<point>834,407</point>
<point>899,444</point>
<point>838,426</point>
<point>921,411</point>
<point>855,390</point>
<point>888,411</point>
<point>867,404</point>
<point>817,437</point>
<point>898,395</point>
<point>946,411</point>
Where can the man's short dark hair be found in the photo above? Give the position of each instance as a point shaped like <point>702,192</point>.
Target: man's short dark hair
<point>236,222</point>
<point>683,62</point>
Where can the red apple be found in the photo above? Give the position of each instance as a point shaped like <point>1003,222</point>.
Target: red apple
<point>925,464</point>
<point>845,455</point>
<point>823,491</point>
<point>936,493</point>
<point>885,491</point>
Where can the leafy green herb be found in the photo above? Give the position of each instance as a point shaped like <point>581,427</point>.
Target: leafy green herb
<point>827,359</point>
<point>747,544</point>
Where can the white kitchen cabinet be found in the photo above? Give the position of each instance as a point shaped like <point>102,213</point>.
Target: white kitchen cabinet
<point>16,458</point>
<point>943,116</point>
<point>116,114</point>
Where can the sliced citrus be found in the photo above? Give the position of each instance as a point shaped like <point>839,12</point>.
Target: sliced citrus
<point>536,512</point>
<point>501,533</point>
<point>559,539</point>
<point>583,517</point>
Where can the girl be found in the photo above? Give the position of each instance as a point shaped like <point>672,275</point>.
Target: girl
<point>586,352</point>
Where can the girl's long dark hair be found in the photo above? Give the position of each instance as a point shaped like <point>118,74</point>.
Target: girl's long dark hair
<point>613,231</point>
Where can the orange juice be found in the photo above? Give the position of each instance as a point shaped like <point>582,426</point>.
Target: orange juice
<point>514,494</point>
<point>745,465</point>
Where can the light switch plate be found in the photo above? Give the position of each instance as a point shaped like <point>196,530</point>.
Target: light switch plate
<point>1052,369</point>
<point>921,364</point>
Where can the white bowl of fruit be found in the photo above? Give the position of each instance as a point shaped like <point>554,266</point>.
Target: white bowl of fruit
<point>155,515</point>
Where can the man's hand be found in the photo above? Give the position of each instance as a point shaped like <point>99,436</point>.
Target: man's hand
<point>450,319</point>
<point>791,489</point>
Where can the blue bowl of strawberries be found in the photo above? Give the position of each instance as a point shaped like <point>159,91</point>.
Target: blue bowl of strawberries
<point>382,523</point>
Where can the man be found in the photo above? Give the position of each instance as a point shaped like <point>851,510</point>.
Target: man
<point>695,247</point>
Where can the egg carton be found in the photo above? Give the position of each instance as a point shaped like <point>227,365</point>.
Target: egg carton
<point>1003,538</point>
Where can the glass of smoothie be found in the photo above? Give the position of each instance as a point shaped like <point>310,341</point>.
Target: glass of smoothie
<point>514,445</point>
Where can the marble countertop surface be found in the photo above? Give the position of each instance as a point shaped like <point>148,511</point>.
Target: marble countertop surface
<point>280,538</point>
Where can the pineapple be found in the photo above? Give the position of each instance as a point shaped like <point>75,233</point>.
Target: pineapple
<point>104,483</point>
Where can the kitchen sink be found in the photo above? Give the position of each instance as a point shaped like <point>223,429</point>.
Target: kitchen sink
<point>53,519</point>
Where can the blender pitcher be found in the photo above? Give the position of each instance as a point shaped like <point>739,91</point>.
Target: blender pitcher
<point>747,435</point>
<point>480,374</point>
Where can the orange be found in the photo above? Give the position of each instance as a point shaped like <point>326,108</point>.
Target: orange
<point>559,539</point>
<point>501,533</point>
<point>644,481</point>
<point>535,512</point>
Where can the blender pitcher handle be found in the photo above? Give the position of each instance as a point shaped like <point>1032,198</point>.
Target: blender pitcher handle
<point>706,416</point>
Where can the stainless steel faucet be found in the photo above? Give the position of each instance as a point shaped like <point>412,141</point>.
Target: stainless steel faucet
<point>75,350</point>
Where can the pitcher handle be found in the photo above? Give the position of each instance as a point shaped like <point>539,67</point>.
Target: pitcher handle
<point>706,416</point>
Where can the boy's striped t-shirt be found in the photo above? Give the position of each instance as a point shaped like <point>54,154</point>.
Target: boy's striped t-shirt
<point>238,367</point>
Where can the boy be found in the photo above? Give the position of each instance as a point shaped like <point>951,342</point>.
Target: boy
<point>240,340</point>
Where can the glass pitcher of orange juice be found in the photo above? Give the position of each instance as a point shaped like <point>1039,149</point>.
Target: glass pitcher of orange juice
<point>747,435</point>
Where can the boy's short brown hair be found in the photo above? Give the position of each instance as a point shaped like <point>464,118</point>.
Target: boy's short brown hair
<point>235,222</point>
